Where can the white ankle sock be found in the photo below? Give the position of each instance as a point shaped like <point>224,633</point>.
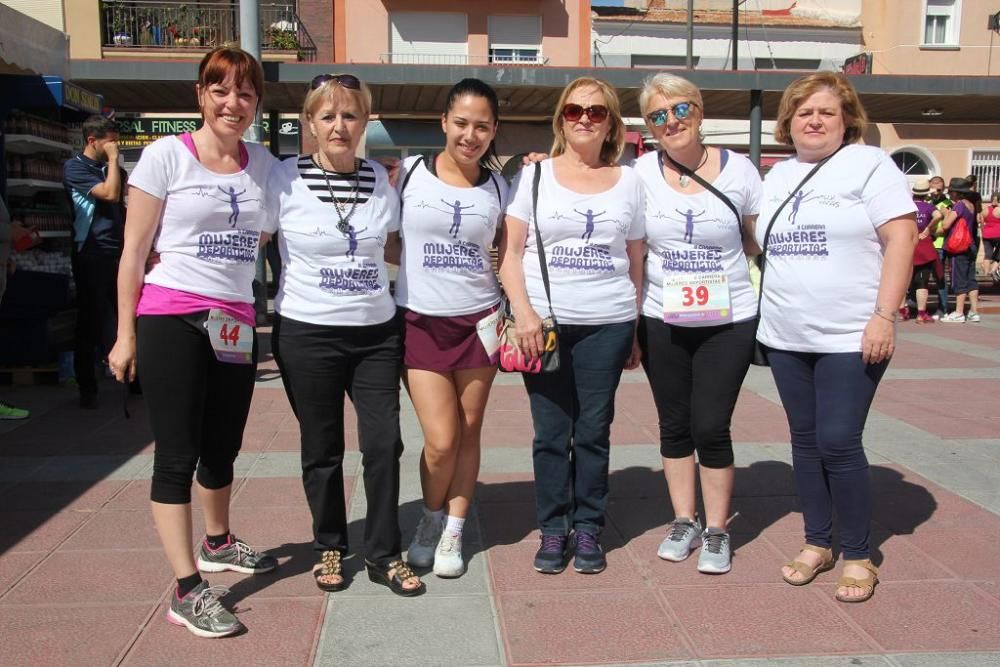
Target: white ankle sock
<point>455,525</point>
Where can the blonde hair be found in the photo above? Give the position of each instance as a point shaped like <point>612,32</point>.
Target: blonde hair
<point>855,118</point>
<point>668,85</point>
<point>330,90</point>
<point>614,143</point>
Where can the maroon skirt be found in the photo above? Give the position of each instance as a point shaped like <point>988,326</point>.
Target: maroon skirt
<point>442,344</point>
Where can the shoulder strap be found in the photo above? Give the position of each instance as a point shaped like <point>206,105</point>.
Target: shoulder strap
<point>496,186</point>
<point>767,232</point>
<point>708,186</point>
<point>538,236</point>
<point>406,179</point>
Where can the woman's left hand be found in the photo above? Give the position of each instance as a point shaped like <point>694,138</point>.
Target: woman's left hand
<point>635,356</point>
<point>878,341</point>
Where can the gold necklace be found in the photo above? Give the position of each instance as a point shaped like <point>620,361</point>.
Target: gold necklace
<point>340,208</point>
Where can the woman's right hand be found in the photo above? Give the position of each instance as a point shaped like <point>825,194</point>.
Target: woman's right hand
<point>528,332</point>
<point>121,360</point>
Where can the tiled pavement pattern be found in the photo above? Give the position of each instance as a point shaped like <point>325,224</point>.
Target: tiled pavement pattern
<point>83,582</point>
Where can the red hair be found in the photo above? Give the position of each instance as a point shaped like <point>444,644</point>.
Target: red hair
<point>219,63</point>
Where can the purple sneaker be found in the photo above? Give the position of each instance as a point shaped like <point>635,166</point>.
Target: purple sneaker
<point>589,557</point>
<point>552,555</point>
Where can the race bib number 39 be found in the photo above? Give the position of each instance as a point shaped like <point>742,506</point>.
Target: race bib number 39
<point>696,299</point>
<point>232,340</point>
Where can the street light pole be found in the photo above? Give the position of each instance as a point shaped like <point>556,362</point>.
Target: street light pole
<point>690,35</point>
<point>250,42</point>
<point>736,34</point>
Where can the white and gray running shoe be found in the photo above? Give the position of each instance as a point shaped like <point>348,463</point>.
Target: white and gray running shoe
<point>425,541</point>
<point>683,537</point>
<point>448,562</point>
<point>201,612</point>
<point>716,553</point>
<point>236,556</point>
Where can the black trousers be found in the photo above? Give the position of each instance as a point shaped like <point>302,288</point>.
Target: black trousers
<point>695,374</point>
<point>197,405</point>
<point>96,278</point>
<point>319,365</point>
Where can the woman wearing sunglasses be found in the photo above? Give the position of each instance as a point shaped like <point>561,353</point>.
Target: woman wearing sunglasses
<point>197,200</point>
<point>452,203</point>
<point>699,310</point>
<point>589,215</point>
<point>336,332</point>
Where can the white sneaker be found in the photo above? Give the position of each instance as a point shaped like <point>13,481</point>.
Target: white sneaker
<point>683,537</point>
<point>425,541</point>
<point>448,562</point>
<point>953,316</point>
<point>973,316</point>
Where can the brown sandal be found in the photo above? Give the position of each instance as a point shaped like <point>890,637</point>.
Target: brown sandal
<point>330,566</point>
<point>379,574</point>
<point>866,584</point>
<point>805,570</point>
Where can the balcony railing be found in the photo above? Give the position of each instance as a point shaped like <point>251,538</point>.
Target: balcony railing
<point>152,24</point>
<point>457,59</point>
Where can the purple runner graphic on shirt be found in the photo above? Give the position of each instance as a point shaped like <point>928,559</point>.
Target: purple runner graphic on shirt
<point>697,259</point>
<point>591,258</point>
<point>456,211</point>
<point>688,218</point>
<point>352,237</point>
<point>796,202</point>
<point>457,256</point>
<point>589,220</point>
<point>236,247</point>
<point>229,196</point>
<point>806,241</point>
<point>361,279</point>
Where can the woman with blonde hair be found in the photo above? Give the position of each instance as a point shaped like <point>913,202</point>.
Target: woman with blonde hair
<point>588,213</point>
<point>699,310</point>
<point>336,332</point>
<point>851,240</point>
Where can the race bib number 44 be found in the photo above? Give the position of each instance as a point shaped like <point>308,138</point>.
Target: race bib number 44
<point>697,299</point>
<point>232,340</point>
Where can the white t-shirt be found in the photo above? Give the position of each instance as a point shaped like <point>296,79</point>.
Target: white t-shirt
<point>824,258</point>
<point>584,238</point>
<point>330,277</point>
<point>447,235</point>
<point>210,223</point>
<point>697,233</point>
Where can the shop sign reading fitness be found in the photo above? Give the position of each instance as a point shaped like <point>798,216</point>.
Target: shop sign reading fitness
<point>140,132</point>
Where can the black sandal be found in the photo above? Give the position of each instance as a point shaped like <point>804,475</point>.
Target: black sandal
<point>400,573</point>
<point>330,567</point>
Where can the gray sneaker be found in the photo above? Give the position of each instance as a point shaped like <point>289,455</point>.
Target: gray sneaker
<point>683,537</point>
<point>201,612</point>
<point>425,542</point>
<point>716,554</point>
<point>237,556</point>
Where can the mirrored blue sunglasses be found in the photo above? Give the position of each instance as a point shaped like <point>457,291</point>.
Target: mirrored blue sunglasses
<point>681,110</point>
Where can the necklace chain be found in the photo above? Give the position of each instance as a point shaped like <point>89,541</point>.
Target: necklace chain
<point>684,179</point>
<point>338,206</point>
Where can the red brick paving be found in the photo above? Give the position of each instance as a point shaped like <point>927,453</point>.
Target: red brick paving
<point>952,409</point>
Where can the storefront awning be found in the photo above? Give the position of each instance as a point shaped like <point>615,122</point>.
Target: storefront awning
<point>28,46</point>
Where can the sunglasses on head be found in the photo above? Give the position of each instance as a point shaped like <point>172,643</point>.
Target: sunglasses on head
<point>348,81</point>
<point>597,113</point>
<point>681,110</point>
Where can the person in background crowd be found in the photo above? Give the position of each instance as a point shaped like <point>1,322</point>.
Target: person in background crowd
<point>7,232</point>
<point>336,333</point>
<point>695,358</point>
<point>827,362</point>
<point>590,218</point>
<point>991,238</point>
<point>963,265</point>
<point>939,197</point>
<point>925,260</point>
<point>452,207</point>
<point>94,184</point>
<point>199,197</point>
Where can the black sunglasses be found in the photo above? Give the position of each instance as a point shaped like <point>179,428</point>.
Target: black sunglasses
<point>348,81</point>
<point>597,113</point>
<point>681,110</point>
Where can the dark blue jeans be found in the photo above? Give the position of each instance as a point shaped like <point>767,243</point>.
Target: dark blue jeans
<point>826,398</point>
<point>572,411</point>
<point>942,285</point>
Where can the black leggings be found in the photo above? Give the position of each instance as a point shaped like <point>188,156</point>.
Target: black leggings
<point>198,406</point>
<point>695,374</point>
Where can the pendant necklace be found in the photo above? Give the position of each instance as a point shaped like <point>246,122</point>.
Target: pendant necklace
<point>684,180</point>
<point>343,214</point>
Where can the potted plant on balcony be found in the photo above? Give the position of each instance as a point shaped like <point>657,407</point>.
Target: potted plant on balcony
<point>119,24</point>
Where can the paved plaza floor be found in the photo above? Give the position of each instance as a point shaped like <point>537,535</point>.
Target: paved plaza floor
<point>83,580</point>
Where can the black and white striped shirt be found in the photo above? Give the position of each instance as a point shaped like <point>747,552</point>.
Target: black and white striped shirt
<point>342,184</point>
